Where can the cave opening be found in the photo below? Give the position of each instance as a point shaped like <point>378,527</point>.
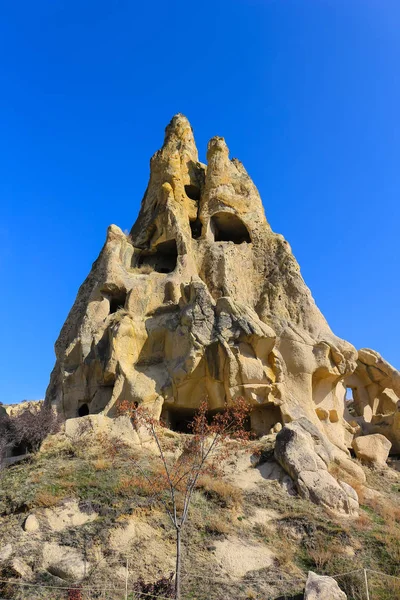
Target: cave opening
<point>192,192</point>
<point>83,410</point>
<point>181,419</point>
<point>227,227</point>
<point>196,227</point>
<point>117,301</point>
<point>162,259</point>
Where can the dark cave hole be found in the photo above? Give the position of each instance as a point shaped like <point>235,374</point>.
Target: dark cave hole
<point>162,259</point>
<point>227,227</point>
<point>83,410</point>
<point>181,419</point>
<point>192,192</point>
<point>117,301</point>
<point>196,227</point>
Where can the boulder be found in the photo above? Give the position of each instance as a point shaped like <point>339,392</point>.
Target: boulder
<point>68,515</point>
<point>372,449</point>
<point>31,524</point>
<point>16,567</point>
<point>305,454</point>
<point>320,587</point>
<point>99,428</point>
<point>64,562</point>
<point>59,518</point>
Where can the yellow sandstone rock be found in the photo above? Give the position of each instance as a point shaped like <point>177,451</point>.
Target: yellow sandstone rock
<point>203,299</point>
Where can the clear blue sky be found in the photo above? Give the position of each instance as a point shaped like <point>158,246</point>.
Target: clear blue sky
<point>306,93</point>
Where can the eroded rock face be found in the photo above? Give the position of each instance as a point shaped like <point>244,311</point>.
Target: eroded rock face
<point>375,386</point>
<point>201,299</point>
<point>306,455</point>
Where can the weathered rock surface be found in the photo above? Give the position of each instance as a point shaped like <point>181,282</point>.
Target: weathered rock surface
<point>59,518</point>
<point>15,409</point>
<point>5,552</point>
<point>16,567</point>
<point>203,299</point>
<point>306,454</point>
<point>375,386</point>
<point>373,449</point>
<point>103,427</point>
<point>31,524</point>
<point>320,587</point>
<point>64,562</point>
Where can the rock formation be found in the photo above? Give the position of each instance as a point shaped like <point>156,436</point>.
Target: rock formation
<point>320,587</point>
<point>306,454</point>
<point>203,299</point>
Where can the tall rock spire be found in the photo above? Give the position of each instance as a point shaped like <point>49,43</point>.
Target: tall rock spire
<point>202,299</point>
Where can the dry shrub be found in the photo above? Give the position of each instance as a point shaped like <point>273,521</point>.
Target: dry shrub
<point>143,270</point>
<point>321,550</point>
<point>359,489</point>
<point>36,477</point>
<point>363,522</point>
<point>224,493</point>
<point>284,550</point>
<point>387,510</point>
<point>67,485</point>
<point>101,464</point>
<point>135,484</point>
<point>336,471</point>
<point>47,499</point>
<point>263,530</point>
<point>320,555</point>
<point>218,525</point>
<point>32,425</point>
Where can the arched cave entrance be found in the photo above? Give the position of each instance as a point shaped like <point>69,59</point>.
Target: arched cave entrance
<point>227,227</point>
<point>117,301</point>
<point>260,420</point>
<point>83,410</point>
<point>196,227</point>
<point>192,192</point>
<point>162,259</point>
<point>181,419</point>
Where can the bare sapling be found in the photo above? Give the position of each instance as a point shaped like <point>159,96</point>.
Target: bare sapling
<point>203,452</point>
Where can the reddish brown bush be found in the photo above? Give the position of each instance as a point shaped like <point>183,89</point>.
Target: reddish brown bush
<point>27,429</point>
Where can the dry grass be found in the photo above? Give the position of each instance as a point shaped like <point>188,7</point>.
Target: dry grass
<point>101,464</point>
<point>134,483</point>
<point>143,270</point>
<point>363,522</point>
<point>224,493</point>
<point>218,524</point>
<point>321,553</point>
<point>285,552</point>
<point>47,499</point>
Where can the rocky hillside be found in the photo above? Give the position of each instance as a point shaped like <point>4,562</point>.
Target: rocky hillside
<point>73,514</point>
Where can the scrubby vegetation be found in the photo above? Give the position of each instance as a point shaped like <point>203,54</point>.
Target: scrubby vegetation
<point>24,431</point>
<point>299,535</point>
